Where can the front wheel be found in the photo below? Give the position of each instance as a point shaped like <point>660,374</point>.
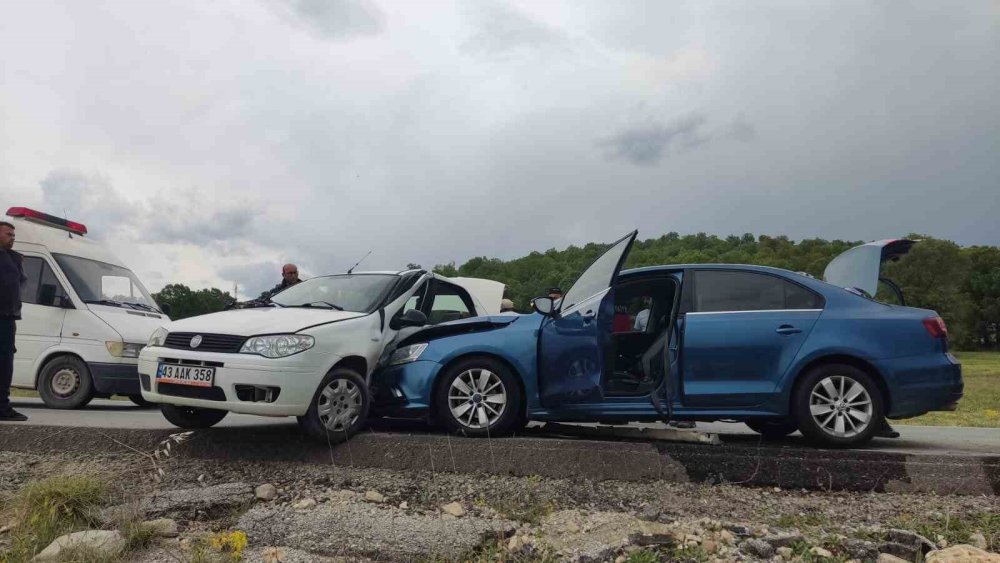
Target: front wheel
<point>191,417</point>
<point>479,397</point>
<point>772,429</point>
<point>339,409</point>
<point>838,405</point>
<point>65,383</point>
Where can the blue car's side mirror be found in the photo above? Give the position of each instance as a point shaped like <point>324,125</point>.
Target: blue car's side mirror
<point>544,305</point>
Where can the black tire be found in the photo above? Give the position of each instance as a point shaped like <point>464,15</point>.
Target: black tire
<point>772,429</point>
<point>349,401</point>
<point>139,401</point>
<point>191,417</point>
<point>812,429</point>
<point>65,383</point>
<point>509,418</point>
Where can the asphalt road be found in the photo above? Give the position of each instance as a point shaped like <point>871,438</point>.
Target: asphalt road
<point>916,440</point>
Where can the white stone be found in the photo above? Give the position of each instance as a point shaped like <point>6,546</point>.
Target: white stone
<point>978,540</point>
<point>305,504</point>
<point>455,509</point>
<point>785,553</point>
<point>820,552</point>
<point>104,543</point>
<point>162,527</point>
<point>266,492</point>
<point>374,496</point>
<point>962,554</point>
<point>889,558</point>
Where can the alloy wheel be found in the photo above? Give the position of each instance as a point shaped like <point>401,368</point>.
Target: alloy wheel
<point>841,406</point>
<point>339,405</point>
<point>477,398</point>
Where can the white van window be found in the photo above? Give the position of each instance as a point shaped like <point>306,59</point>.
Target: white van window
<point>41,287</point>
<point>99,282</point>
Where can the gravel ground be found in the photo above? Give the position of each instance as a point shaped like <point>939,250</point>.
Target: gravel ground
<point>521,517</point>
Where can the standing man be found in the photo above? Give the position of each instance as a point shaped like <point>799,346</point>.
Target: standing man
<point>11,278</point>
<point>289,277</point>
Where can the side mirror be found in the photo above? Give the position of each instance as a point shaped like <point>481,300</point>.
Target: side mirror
<point>411,318</point>
<point>544,305</point>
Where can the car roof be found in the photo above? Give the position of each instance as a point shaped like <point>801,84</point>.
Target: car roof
<point>59,241</point>
<point>678,267</point>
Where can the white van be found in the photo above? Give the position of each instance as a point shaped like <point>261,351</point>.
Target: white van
<point>85,315</point>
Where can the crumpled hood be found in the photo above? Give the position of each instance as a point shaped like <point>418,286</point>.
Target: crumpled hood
<point>133,326</point>
<point>261,320</point>
<point>463,326</point>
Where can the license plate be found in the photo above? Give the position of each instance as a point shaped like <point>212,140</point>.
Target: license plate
<point>185,375</point>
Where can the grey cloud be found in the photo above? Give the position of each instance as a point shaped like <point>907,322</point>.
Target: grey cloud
<point>501,30</point>
<point>253,278</point>
<point>742,130</point>
<point>646,145</point>
<point>88,198</point>
<point>333,19</point>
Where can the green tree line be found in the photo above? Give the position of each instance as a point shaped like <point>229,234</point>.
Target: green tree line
<point>961,284</point>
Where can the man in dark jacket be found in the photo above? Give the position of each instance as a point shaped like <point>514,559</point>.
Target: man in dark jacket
<point>289,277</point>
<point>11,278</point>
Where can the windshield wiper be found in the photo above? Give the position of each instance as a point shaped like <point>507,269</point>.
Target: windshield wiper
<point>327,303</point>
<point>144,306</point>
<point>105,302</point>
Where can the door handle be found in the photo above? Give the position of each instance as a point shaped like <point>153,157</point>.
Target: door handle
<point>787,329</point>
<point>588,316</point>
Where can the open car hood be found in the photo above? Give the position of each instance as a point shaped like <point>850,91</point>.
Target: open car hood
<point>861,266</point>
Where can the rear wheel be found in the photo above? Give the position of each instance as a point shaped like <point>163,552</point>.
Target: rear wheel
<point>192,417</point>
<point>838,405</point>
<point>65,383</point>
<point>772,429</point>
<point>339,409</point>
<point>479,397</point>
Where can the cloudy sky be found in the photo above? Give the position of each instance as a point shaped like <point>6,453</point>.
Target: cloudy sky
<point>210,141</point>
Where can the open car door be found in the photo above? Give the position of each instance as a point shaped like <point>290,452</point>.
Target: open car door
<point>860,268</point>
<point>574,340</point>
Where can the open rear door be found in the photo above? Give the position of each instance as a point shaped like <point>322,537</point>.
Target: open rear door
<point>861,267</point>
<point>572,343</point>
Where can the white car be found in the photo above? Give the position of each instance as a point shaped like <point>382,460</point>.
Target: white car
<point>310,354</point>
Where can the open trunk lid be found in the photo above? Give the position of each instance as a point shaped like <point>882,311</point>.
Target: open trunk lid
<point>860,268</point>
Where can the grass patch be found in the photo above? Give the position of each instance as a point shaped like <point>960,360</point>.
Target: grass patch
<point>692,553</point>
<point>48,509</point>
<point>520,509</point>
<point>981,404</point>
<point>954,529</point>
<point>803,521</point>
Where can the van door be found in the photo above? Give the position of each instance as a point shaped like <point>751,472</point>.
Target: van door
<point>42,315</point>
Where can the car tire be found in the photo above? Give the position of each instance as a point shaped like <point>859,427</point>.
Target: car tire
<point>192,418</point>
<point>830,398</point>
<point>140,402</point>
<point>65,383</point>
<point>772,429</point>
<point>465,408</point>
<point>339,409</point>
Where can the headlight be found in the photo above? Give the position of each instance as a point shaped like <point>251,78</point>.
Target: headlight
<point>120,349</point>
<point>277,345</point>
<point>407,354</point>
<point>158,338</point>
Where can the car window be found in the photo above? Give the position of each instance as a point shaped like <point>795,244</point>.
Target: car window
<point>631,312</point>
<point>598,276</point>
<point>42,287</point>
<point>449,304</point>
<point>749,291</point>
<point>416,300</point>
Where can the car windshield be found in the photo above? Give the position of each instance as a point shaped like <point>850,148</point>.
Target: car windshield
<point>97,282</point>
<point>352,292</point>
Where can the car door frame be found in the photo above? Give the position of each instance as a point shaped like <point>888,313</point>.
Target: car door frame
<point>26,368</point>
<point>552,391</point>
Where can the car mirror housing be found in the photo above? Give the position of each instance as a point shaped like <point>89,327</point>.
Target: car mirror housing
<point>411,318</point>
<point>544,305</point>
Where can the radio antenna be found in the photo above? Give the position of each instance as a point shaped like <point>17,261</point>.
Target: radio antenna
<point>359,261</point>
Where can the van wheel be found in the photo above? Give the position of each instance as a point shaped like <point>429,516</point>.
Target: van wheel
<point>65,383</point>
<point>339,409</point>
<point>139,401</point>
<point>838,405</point>
<point>479,397</point>
<point>772,429</point>
<point>191,417</point>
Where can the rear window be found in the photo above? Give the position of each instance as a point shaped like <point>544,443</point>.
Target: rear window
<point>717,291</point>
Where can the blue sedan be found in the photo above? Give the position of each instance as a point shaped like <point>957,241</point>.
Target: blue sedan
<point>778,350</point>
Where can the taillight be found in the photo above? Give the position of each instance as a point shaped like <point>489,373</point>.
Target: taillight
<point>936,327</point>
